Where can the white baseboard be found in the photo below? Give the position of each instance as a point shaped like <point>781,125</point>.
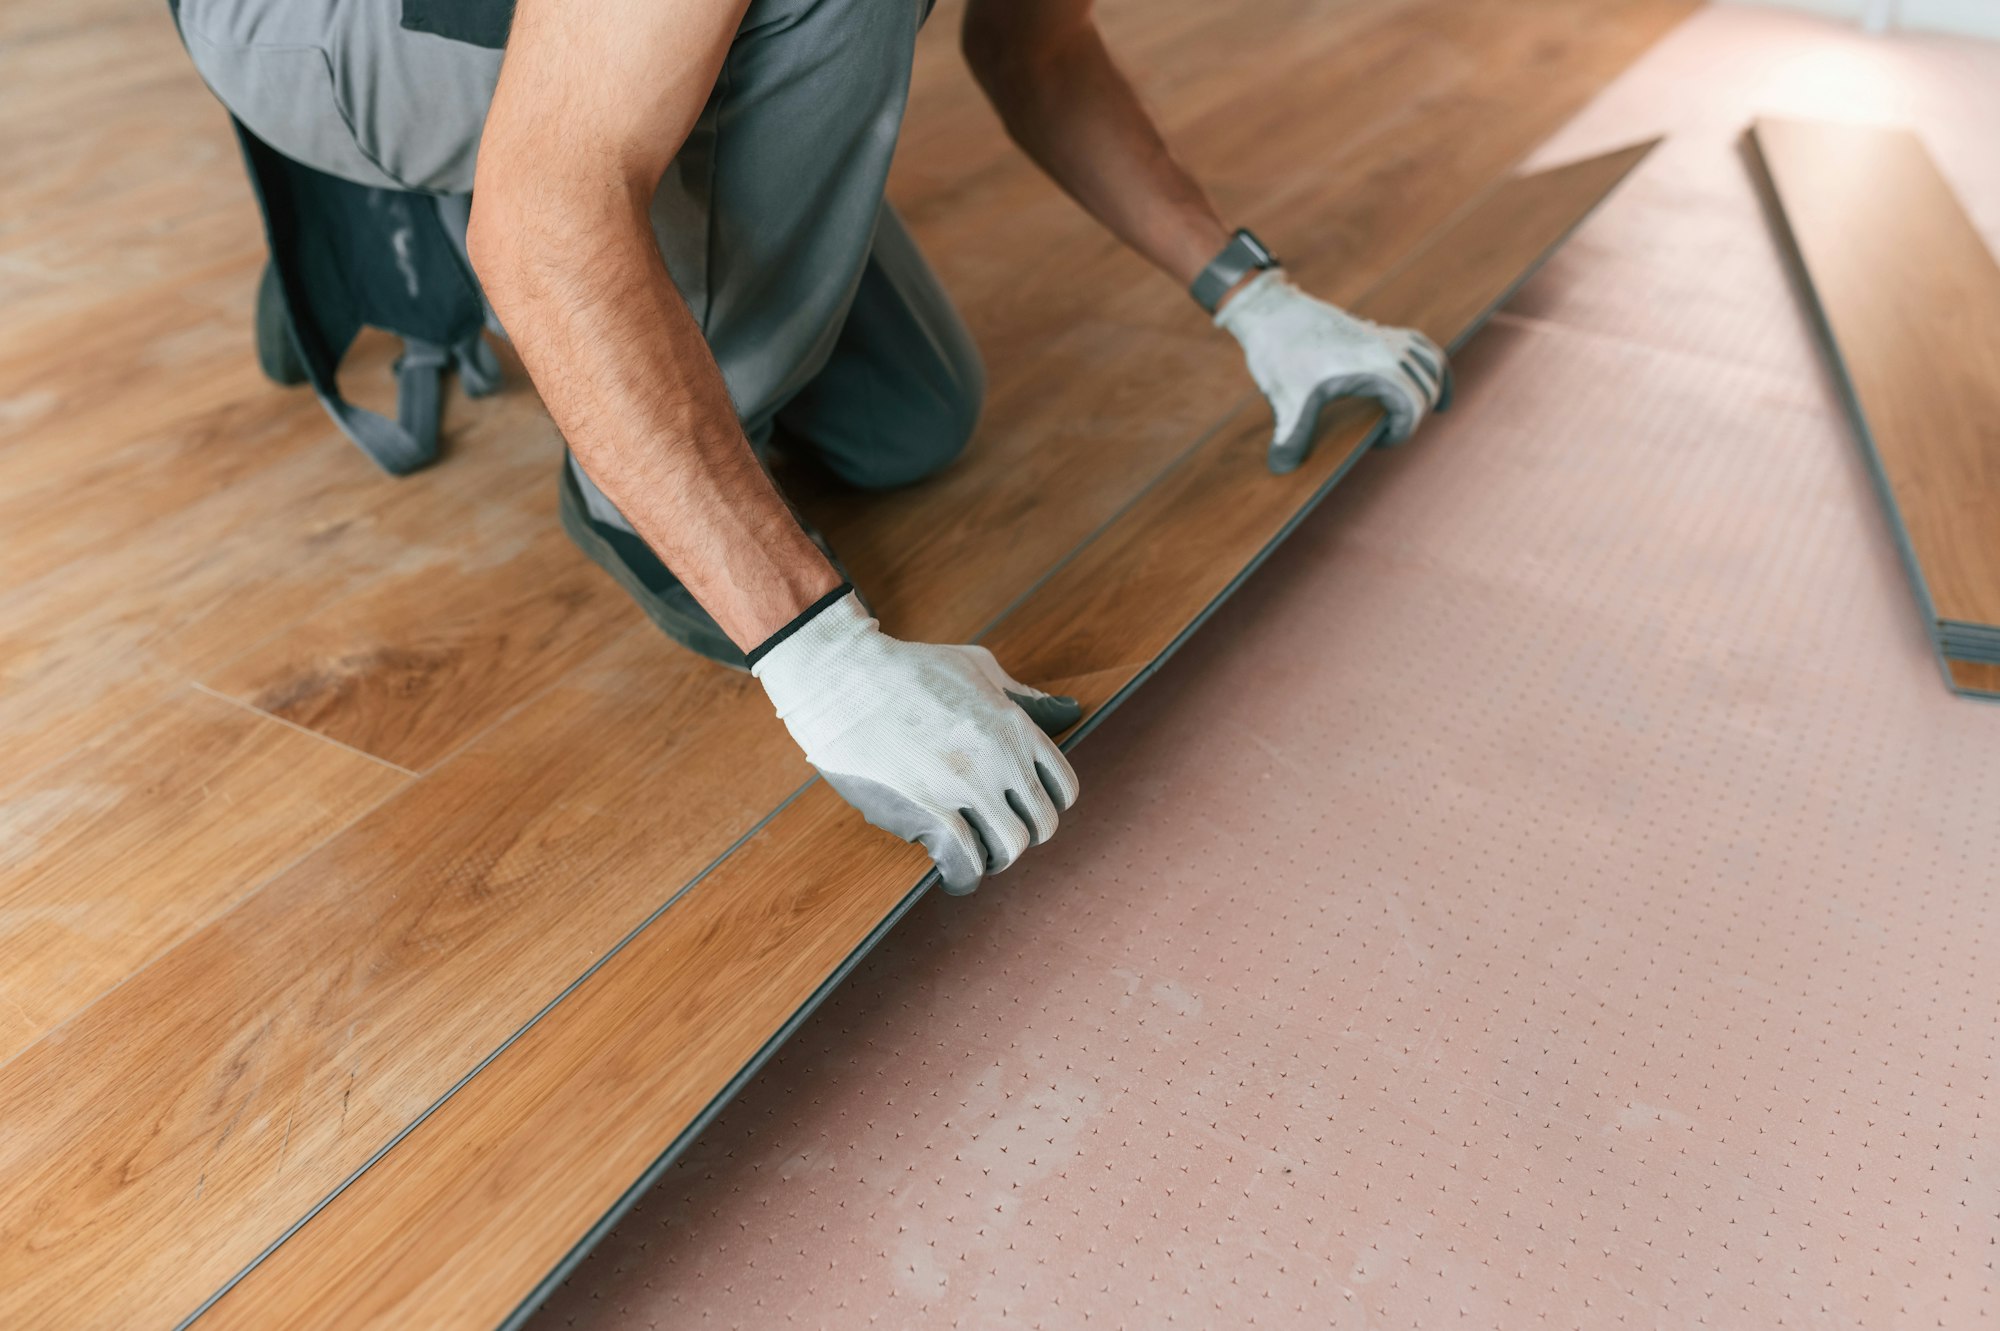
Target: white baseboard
<point>1971,18</point>
<point>1974,18</point>
<point>1847,9</point>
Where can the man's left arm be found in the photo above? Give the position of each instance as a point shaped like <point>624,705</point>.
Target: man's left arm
<point>1045,68</point>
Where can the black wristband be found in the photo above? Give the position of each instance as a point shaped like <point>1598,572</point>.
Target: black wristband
<point>1242,255</point>
<point>797,622</point>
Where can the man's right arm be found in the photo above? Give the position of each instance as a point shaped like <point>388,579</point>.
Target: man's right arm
<point>592,104</point>
<point>934,743</point>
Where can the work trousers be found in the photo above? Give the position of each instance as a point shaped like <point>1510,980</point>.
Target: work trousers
<point>819,308</point>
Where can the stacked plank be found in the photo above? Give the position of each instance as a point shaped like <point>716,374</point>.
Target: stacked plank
<point>1906,296</point>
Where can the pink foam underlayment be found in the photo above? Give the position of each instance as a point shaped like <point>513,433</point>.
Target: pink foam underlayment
<point>1557,891</point>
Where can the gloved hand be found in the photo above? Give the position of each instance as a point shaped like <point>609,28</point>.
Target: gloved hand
<point>933,743</point>
<point>1304,353</point>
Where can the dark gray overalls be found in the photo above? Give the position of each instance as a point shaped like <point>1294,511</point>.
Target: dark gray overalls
<point>821,312</point>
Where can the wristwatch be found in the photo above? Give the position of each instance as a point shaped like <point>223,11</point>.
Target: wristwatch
<point>1244,254</point>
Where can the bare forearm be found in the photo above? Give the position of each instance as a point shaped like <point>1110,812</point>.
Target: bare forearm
<point>1063,100</point>
<point>626,375</point>
<point>593,102</point>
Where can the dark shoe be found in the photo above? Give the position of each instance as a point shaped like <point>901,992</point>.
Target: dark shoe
<point>634,566</point>
<point>632,563</point>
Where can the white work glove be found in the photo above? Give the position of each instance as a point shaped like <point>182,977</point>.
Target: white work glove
<point>1304,353</point>
<point>933,743</point>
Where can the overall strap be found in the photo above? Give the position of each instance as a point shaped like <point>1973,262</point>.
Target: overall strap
<point>346,255</point>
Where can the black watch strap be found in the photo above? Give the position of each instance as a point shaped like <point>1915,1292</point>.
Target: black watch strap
<point>1242,255</point>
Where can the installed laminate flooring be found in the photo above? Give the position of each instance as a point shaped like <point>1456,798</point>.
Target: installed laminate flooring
<point>574,772</point>
<point>208,796</point>
<point>1908,296</point>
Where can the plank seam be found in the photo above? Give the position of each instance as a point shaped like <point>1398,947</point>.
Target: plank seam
<point>480,1066</point>
<point>255,710</point>
<point>221,909</point>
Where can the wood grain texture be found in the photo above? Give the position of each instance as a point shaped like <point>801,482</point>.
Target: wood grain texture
<point>208,797</point>
<point>474,642</point>
<point>1909,296</point>
<point>578,1108</point>
<point>111,631</point>
<point>191,1115</point>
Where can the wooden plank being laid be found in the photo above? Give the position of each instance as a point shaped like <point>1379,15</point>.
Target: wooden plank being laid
<point>456,1226</point>
<point>1907,297</point>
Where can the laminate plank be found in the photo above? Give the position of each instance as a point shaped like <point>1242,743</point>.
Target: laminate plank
<point>1183,544</point>
<point>1908,296</point>
<point>216,1097</point>
<point>120,180</point>
<point>127,488</point>
<point>208,797</point>
<point>1974,677</point>
<point>100,381</point>
<point>583,1104</point>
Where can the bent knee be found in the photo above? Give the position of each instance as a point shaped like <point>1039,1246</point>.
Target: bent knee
<point>892,432</point>
<point>920,444</point>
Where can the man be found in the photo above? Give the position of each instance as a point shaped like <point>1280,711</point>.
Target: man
<point>679,219</point>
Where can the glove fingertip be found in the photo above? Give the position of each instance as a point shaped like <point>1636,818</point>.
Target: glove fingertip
<point>955,849</point>
<point>960,873</point>
<point>1396,428</point>
<point>1052,713</point>
<point>1059,782</point>
<point>1064,712</point>
<point>1288,454</point>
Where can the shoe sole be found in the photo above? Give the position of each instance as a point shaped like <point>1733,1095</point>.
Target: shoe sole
<point>700,636</point>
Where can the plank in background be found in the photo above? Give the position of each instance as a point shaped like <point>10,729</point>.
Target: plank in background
<point>211,1101</point>
<point>208,797</point>
<point>504,1182</point>
<point>1977,678</point>
<point>1908,298</point>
